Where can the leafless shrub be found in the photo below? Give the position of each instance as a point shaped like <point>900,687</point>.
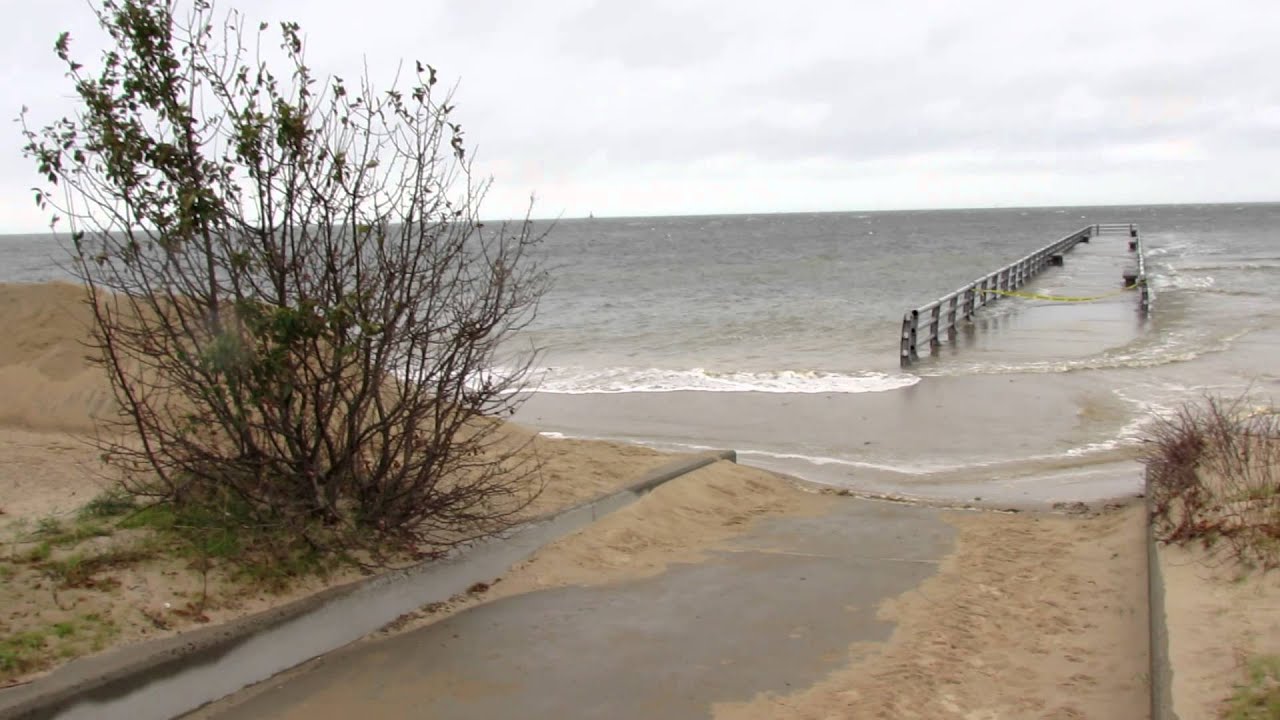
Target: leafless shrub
<point>1214,477</point>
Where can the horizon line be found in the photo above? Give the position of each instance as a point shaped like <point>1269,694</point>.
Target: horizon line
<point>50,231</point>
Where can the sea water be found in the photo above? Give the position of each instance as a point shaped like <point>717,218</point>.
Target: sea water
<point>777,335</point>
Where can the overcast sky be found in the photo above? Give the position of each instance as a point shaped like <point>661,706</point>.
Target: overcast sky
<point>624,107</point>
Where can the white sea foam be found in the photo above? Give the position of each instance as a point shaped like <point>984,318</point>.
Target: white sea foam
<point>1172,347</point>
<point>577,381</point>
<point>826,460</point>
<point>1229,267</point>
<point>1173,279</point>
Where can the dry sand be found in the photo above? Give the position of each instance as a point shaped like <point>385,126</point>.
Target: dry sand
<point>46,382</point>
<point>676,523</point>
<point>1218,615</point>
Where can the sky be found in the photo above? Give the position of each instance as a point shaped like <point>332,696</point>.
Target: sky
<point>623,107</point>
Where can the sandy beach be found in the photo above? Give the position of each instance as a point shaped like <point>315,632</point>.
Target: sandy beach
<point>1029,615</point>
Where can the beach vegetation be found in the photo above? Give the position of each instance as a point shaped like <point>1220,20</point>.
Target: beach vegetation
<point>83,570</point>
<point>38,553</point>
<point>37,648</point>
<point>305,324</point>
<point>112,503</point>
<point>1213,471</point>
<point>1258,697</point>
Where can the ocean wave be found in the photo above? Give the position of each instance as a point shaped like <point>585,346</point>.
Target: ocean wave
<point>1173,348</point>
<point>1179,249</point>
<point>579,381</point>
<point>1243,266</point>
<point>1175,280</point>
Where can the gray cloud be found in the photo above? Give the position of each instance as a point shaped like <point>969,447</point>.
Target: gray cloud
<point>632,108</point>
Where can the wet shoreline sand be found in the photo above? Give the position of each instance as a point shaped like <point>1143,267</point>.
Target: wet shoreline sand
<point>916,441</point>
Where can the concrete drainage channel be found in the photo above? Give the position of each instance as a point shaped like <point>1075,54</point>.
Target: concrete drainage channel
<point>1160,676</point>
<point>165,678</point>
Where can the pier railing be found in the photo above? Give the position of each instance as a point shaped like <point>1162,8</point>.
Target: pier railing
<point>940,320</point>
<point>1137,277</point>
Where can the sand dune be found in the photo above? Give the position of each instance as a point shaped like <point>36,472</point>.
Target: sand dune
<point>46,381</point>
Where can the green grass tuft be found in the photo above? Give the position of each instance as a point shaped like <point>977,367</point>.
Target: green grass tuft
<point>1259,697</point>
<point>110,504</point>
<point>39,553</point>
<point>151,517</point>
<point>21,652</point>
<point>55,532</point>
<point>82,570</point>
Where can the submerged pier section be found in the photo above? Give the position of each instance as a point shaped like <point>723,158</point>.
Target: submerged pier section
<point>938,322</point>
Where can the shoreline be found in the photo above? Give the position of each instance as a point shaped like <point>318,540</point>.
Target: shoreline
<point>869,443</point>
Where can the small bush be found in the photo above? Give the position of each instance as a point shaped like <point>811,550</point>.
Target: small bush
<point>293,297</point>
<point>1214,475</point>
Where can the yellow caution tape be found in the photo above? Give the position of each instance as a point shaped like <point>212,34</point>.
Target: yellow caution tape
<point>1054,298</point>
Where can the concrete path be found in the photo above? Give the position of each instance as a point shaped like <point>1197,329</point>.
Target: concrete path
<point>776,611</point>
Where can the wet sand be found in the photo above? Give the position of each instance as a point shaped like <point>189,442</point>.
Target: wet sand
<point>944,438</point>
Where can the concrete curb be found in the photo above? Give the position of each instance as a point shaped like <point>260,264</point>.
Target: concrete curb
<point>123,683</point>
<point>1160,674</point>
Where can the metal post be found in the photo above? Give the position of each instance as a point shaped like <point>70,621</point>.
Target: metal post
<point>915,327</point>
<point>951,318</point>
<point>908,335</point>
<point>934,321</point>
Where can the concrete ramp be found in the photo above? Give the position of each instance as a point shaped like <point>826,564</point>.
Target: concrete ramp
<point>776,611</point>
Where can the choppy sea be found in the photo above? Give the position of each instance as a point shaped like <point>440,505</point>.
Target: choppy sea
<point>777,335</point>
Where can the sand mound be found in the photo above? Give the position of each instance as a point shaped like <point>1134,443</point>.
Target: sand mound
<point>676,523</point>
<point>46,380</point>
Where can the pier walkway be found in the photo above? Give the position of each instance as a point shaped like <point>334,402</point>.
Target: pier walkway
<point>1037,307</point>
